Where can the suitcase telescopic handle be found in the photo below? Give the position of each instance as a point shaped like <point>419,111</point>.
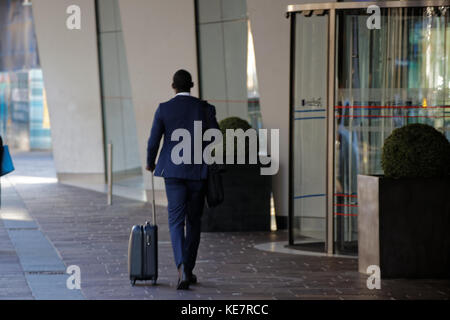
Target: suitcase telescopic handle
<point>153,199</point>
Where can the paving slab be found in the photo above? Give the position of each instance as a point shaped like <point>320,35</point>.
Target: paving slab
<point>35,251</point>
<point>12,279</point>
<point>37,270</point>
<point>88,233</point>
<point>52,287</point>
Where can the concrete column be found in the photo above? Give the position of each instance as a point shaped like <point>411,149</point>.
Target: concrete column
<point>69,61</point>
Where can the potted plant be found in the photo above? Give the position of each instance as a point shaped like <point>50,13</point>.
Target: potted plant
<point>404,216</point>
<point>246,205</point>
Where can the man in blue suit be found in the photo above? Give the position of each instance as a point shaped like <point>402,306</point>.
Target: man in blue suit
<point>185,182</point>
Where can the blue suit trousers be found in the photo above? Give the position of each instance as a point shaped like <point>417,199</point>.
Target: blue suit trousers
<point>186,200</point>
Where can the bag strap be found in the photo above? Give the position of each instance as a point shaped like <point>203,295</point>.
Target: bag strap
<point>205,114</point>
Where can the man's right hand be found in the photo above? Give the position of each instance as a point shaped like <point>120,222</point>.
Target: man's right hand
<point>150,168</point>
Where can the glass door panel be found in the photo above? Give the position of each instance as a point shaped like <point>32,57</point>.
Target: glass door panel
<point>309,131</point>
<point>386,79</point>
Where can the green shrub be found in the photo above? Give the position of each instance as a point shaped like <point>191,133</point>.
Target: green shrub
<point>416,150</point>
<point>234,123</point>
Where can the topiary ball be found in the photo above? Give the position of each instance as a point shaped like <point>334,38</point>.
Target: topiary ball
<point>416,151</point>
<point>234,123</point>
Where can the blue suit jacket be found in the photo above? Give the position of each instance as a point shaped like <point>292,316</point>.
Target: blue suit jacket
<point>179,112</point>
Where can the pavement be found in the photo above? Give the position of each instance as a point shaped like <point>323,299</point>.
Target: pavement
<point>45,227</point>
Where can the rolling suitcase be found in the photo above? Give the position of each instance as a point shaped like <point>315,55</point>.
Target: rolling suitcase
<point>143,249</point>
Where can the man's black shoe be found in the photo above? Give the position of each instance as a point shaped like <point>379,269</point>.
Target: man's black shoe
<point>193,278</point>
<point>183,279</point>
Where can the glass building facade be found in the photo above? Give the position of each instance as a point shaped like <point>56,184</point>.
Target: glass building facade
<point>24,116</point>
<point>117,105</point>
<point>344,105</point>
<point>226,59</point>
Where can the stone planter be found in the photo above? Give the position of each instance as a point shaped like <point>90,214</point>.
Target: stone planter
<point>404,226</point>
<point>246,205</point>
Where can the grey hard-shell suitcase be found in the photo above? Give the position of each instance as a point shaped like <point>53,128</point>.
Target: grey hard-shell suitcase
<point>143,249</point>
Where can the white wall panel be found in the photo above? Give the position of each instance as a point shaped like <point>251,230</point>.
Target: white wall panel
<point>69,62</point>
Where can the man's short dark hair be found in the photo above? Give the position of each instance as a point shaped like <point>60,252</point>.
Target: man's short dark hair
<point>182,81</point>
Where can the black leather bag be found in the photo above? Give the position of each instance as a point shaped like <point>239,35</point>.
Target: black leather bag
<point>214,185</point>
<point>214,188</point>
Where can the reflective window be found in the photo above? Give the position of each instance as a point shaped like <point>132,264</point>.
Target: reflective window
<point>24,116</point>
<point>118,112</point>
<point>227,66</point>
<point>386,79</point>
